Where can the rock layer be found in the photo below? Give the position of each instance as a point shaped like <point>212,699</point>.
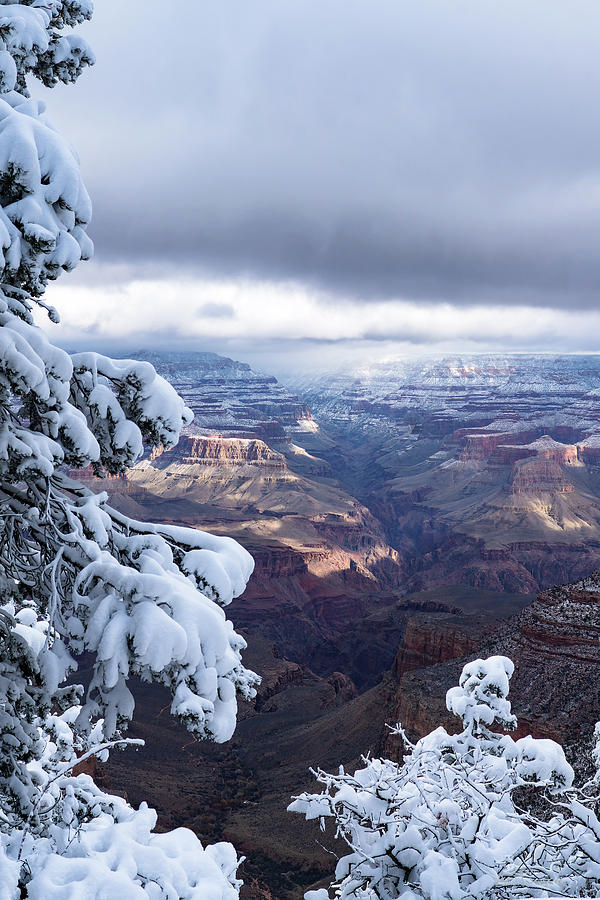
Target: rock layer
<point>555,690</point>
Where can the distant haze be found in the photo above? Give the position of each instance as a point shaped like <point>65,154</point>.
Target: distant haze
<point>326,178</point>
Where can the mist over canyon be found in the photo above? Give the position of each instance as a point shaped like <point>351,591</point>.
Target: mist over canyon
<point>402,516</point>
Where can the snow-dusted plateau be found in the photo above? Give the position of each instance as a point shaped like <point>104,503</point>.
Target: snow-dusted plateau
<point>403,516</point>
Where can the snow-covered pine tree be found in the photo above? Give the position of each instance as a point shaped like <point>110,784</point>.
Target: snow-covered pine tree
<point>453,821</point>
<point>75,575</point>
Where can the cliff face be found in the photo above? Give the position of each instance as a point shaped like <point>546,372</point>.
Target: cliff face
<point>214,450</point>
<point>482,445</point>
<point>565,622</point>
<point>555,691</point>
<point>555,645</point>
<point>589,453</point>
<point>538,476</point>
<point>506,447</point>
<point>278,562</point>
<point>426,643</point>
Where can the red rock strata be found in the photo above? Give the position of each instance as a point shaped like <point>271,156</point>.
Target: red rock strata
<point>214,449</point>
<point>426,643</point>
<point>482,444</point>
<point>555,691</point>
<point>539,475</point>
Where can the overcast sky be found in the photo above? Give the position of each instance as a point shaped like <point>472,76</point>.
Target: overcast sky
<point>338,176</point>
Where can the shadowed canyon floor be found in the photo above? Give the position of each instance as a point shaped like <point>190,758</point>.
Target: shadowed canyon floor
<point>240,790</point>
<point>401,519</point>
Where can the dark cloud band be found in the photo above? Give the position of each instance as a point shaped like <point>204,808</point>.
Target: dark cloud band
<point>432,150</point>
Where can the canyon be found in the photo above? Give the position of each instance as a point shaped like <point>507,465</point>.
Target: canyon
<point>402,517</point>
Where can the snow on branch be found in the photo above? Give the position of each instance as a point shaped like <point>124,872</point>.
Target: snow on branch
<point>453,821</point>
<point>126,404</point>
<point>76,575</point>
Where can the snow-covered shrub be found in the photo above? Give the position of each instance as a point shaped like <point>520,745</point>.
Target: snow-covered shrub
<point>75,575</point>
<point>447,823</point>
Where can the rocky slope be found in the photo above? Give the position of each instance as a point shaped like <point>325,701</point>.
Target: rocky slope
<point>555,691</point>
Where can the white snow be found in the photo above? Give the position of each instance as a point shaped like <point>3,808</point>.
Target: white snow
<point>77,575</point>
<point>443,825</point>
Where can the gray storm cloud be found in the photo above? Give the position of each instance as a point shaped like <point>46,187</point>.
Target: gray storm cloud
<point>438,150</point>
